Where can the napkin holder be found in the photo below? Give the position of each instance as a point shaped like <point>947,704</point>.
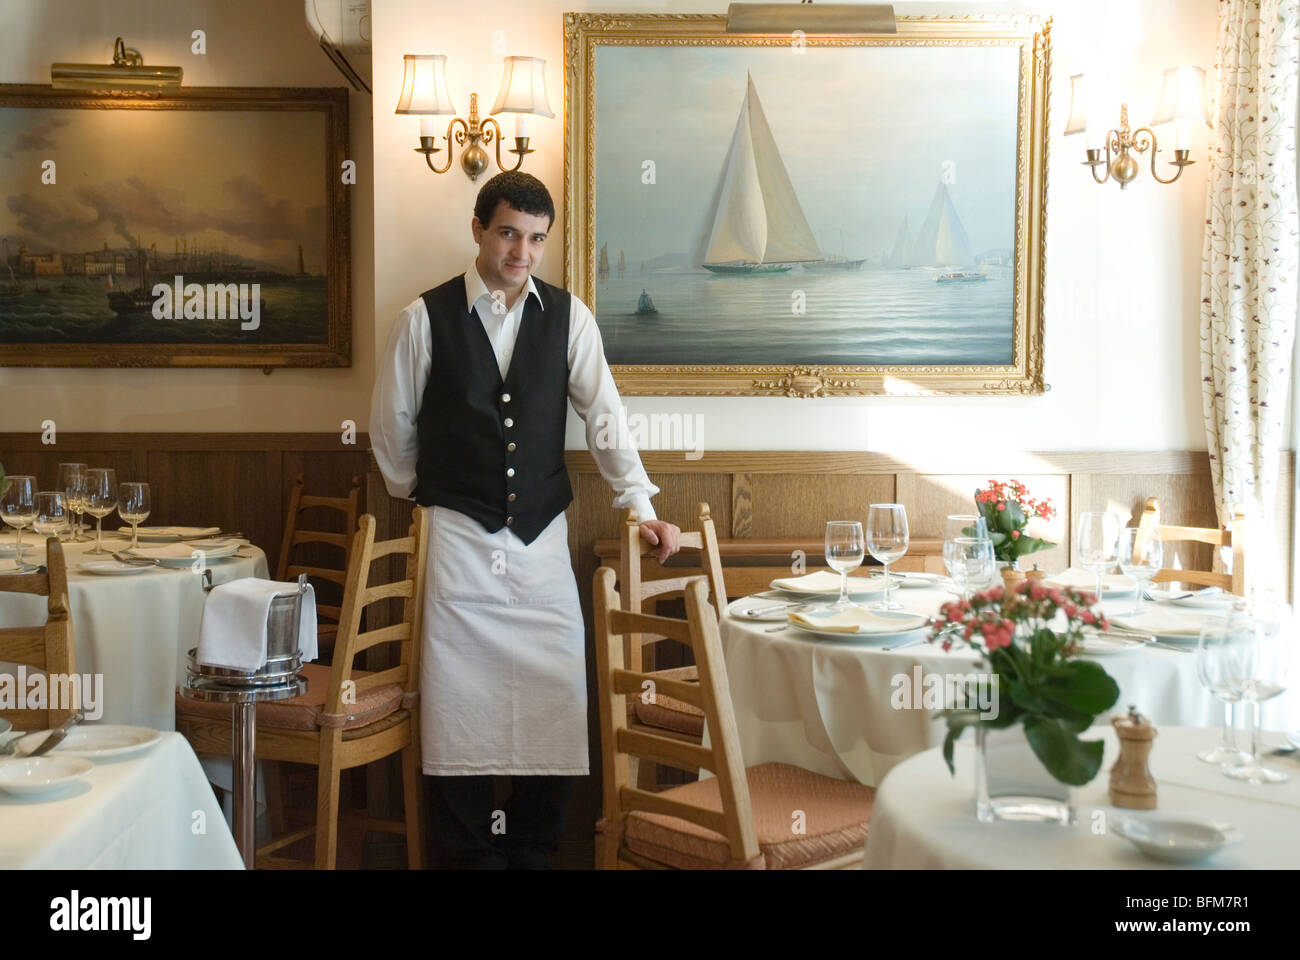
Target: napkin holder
<point>1131,783</point>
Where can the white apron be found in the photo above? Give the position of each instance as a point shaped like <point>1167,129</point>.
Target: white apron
<point>503,676</point>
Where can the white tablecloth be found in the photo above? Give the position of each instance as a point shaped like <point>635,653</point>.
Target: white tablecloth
<point>924,818</point>
<point>825,704</point>
<point>134,630</point>
<point>150,811</point>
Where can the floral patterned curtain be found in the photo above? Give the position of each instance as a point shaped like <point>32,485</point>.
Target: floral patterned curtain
<point>1250,261</point>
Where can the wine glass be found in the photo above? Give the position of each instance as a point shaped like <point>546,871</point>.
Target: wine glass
<point>72,482</point>
<point>964,525</point>
<point>1269,638</point>
<point>18,507</point>
<point>52,514</point>
<point>101,500</point>
<point>1098,544</point>
<point>971,563</point>
<point>1139,560</point>
<point>843,553</point>
<point>133,505</point>
<point>887,542</point>
<point>1219,666</point>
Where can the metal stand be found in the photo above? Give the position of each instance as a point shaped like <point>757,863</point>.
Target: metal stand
<point>278,680</point>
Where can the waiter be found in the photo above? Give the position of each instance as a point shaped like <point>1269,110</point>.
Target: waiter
<point>468,418</point>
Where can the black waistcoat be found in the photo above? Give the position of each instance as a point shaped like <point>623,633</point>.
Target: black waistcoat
<point>490,449</point>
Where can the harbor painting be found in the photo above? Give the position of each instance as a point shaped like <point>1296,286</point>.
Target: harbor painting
<point>840,207</point>
<point>204,227</point>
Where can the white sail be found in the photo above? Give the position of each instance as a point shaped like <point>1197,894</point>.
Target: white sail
<point>757,218</point>
<point>942,241</point>
<point>901,246</point>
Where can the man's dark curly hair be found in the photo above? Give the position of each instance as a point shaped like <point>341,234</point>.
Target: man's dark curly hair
<point>521,191</point>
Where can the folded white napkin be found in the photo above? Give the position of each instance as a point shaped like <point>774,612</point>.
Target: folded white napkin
<point>1161,620</point>
<point>233,629</point>
<point>860,620</point>
<point>176,531</point>
<point>183,551</point>
<point>823,581</point>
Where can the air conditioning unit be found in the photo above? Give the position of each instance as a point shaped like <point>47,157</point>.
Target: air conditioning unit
<point>342,27</point>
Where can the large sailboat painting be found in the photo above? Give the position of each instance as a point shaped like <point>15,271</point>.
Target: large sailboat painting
<point>845,205</point>
<point>758,225</point>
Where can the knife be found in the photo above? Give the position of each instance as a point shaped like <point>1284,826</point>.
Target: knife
<point>58,735</point>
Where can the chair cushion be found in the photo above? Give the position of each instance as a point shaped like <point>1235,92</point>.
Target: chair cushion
<point>304,712</point>
<point>836,814</point>
<point>668,713</point>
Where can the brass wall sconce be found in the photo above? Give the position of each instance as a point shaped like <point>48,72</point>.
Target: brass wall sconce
<point>1182,103</point>
<point>425,94</point>
<point>126,72</point>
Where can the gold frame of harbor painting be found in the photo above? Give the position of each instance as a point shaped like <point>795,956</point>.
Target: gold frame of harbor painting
<point>233,199</point>
<point>724,318</point>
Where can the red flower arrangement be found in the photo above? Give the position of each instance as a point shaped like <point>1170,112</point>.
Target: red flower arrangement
<point>1007,509</point>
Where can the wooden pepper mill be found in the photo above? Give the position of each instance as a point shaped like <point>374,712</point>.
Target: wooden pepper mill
<point>1131,783</point>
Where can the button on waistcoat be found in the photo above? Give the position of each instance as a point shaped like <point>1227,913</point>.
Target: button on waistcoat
<point>493,449</point>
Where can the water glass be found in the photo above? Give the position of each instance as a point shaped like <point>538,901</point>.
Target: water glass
<point>133,505</point>
<point>844,552</point>
<point>887,541</point>
<point>52,515</point>
<point>1098,544</point>
<point>966,525</point>
<point>101,500</point>
<point>18,507</point>
<point>1270,639</point>
<point>971,565</point>
<point>1221,655</point>
<point>1140,560</point>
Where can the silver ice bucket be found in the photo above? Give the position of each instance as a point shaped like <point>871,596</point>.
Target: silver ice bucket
<point>283,657</point>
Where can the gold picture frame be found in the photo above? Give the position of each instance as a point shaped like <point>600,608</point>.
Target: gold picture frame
<point>232,197</point>
<point>1029,36</point>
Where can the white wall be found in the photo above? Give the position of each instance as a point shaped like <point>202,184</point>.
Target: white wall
<point>258,43</point>
<point>1123,269</point>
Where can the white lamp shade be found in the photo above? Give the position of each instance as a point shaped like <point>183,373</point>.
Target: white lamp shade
<point>523,87</point>
<point>1183,99</point>
<point>1078,121</point>
<point>424,86</point>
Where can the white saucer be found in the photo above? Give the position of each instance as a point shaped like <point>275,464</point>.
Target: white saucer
<point>1175,838</point>
<point>1102,646</point>
<point>40,776</point>
<point>94,741</point>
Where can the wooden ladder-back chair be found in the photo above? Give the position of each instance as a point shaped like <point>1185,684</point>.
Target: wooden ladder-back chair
<point>347,718</point>
<point>1236,582</point>
<point>770,816</point>
<point>668,715</point>
<point>47,647</point>
<point>287,569</point>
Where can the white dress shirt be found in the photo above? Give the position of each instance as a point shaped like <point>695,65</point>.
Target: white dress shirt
<point>399,391</point>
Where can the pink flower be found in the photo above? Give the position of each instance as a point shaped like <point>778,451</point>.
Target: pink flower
<point>1056,596</point>
<point>947,645</point>
<point>1001,505</point>
<point>1071,610</point>
<point>1088,616</point>
<point>966,634</point>
<point>1015,534</point>
<point>1037,590</point>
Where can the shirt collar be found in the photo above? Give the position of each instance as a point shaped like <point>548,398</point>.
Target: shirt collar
<point>475,288</point>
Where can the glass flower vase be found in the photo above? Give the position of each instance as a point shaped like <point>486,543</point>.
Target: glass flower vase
<point>1011,783</point>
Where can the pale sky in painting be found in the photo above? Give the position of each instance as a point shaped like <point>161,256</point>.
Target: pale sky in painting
<point>864,134</point>
<point>249,181</point>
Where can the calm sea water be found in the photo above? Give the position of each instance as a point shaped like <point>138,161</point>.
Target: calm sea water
<point>75,310</point>
<point>868,317</point>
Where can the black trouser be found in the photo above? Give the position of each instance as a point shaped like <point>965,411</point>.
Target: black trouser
<point>473,833</point>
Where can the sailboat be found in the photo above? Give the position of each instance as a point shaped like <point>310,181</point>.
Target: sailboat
<point>756,223</point>
<point>834,263</point>
<point>902,246</point>
<point>603,268</point>
<point>943,243</point>
<point>622,264</point>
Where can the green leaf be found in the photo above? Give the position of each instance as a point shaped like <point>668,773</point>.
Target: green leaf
<point>1067,758</point>
<point>1015,516</point>
<point>1083,686</point>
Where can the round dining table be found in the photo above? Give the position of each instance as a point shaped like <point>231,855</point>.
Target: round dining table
<point>924,816</point>
<point>852,708</point>
<point>131,634</point>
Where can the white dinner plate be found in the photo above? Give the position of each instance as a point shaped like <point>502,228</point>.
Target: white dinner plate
<point>94,741</point>
<point>1163,623</point>
<point>113,568</point>
<point>181,555</point>
<point>1173,837</point>
<point>1198,601</point>
<point>907,623</point>
<point>171,534</point>
<point>39,776</point>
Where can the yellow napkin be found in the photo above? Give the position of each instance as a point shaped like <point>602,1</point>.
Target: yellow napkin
<point>860,620</point>
<point>178,551</point>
